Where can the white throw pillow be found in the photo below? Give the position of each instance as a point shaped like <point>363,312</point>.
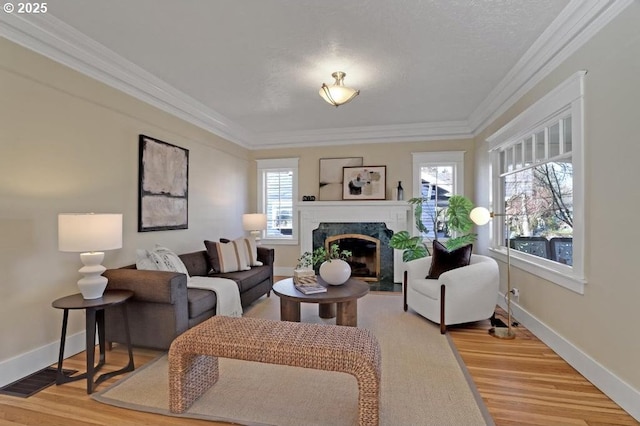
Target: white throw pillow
<point>227,257</point>
<point>252,251</point>
<point>166,260</point>
<point>144,261</point>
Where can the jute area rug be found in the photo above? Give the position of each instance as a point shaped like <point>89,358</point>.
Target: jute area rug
<point>423,381</point>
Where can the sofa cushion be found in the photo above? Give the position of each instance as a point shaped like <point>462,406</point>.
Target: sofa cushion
<point>227,257</point>
<point>200,301</point>
<point>444,260</point>
<point>248,279</point>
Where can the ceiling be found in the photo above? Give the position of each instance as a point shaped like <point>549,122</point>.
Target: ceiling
<point>250,70</point>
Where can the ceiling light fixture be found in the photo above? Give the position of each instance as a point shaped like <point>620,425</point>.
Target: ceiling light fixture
<point>338,94</point>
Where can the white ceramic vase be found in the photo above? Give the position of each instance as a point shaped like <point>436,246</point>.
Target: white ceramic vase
<point>335,272</point>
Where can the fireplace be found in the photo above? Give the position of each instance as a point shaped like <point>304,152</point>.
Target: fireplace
<point>373,222</point>
<point>372,258</point>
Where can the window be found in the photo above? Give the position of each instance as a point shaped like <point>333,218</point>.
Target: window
<point>277,190</point>
<point>436,177</point>
<point>538,187</point>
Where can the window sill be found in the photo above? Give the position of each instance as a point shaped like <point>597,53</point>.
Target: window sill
<point>279,242</point>
<point>554,272</point>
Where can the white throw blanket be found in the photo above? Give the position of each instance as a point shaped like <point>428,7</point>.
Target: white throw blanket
<point>227,294</point>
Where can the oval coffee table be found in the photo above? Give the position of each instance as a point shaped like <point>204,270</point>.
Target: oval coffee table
<point>343,297</point>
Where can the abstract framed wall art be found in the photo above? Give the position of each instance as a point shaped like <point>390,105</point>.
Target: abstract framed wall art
<point>163,186</point>
<point>331,176</point>
<point>364,183</point>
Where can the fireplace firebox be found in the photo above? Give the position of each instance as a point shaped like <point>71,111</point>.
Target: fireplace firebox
<point>365,254</point>
<point>372,258</point>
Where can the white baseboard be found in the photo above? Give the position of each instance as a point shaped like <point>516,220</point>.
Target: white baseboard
<point>29,362</point>
<point>611,385</point>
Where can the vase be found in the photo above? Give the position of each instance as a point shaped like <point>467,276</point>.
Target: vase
<point>335,271</point>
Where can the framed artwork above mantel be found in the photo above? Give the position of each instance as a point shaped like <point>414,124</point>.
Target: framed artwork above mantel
<point>331,176</point>
<point>364,183</point>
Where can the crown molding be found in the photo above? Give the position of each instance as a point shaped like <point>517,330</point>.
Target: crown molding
<point>49,36</point>
<point>62,43</point>
<point>573,27</point>
<point>368,134</point>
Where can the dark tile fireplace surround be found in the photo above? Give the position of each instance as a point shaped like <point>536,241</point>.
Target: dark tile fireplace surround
<point>372,259</point>
<point>363,227</point>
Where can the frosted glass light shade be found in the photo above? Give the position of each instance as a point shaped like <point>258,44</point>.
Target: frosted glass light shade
<point>338,94</point>
<point>480,216</point>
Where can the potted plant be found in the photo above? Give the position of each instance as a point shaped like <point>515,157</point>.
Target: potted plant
<point>333,266</point>
<point>456,215</point>
<point>458,221</point>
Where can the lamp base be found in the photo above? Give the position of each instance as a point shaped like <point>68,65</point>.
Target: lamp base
<point>256,236</point>
<point>93,284</point>
<point>503,333</point>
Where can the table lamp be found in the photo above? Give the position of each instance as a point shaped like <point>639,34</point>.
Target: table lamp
<point>482,216</point>
<point>255,223</point>
<point>87,233</point>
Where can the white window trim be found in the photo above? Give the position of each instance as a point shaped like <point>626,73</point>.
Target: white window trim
<point>437,158</point>
<point>568,96</point>
<point>275,164</point>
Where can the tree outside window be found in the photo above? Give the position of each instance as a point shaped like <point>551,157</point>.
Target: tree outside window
<point>539,197</point>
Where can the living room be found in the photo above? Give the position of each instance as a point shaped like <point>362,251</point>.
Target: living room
<point>70,143</point>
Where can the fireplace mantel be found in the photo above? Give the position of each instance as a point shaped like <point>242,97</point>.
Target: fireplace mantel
<point>395,214</point>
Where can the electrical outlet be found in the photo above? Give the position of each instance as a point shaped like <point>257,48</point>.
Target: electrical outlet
<point>515,293</point>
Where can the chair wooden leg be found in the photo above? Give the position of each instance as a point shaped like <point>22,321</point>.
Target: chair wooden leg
<point>404,291</point>
<point>443,326</point>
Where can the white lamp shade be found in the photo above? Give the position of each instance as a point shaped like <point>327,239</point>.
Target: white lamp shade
<point>254,221</point>
<point>88,232</point>
<point>480,216</point>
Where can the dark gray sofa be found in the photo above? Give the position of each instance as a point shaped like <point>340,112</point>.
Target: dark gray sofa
<point>163,307</point>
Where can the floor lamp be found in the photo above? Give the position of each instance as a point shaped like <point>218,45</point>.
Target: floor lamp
<point>481,216</point>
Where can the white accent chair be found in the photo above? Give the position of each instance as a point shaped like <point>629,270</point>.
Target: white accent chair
<point>461,295</point>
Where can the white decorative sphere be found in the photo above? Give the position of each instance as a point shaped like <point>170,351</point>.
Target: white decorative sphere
<point>335,272</point>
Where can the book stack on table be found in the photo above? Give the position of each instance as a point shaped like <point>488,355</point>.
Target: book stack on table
<point>306,282</point>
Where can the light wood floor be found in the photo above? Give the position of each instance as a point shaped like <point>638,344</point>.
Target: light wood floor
<point>521,381</point>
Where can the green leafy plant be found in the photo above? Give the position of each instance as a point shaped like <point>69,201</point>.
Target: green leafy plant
<point>321,254</point>
<point>412,247</point>
<point>457,218</point>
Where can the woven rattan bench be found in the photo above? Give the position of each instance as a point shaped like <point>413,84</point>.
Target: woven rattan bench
<point>193,356</point>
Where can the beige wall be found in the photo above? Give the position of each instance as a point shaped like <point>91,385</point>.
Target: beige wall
<point>395,156</point>
<point>70,144</point>
<point>603,322</point>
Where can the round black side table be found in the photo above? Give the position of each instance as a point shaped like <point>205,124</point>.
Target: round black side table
<point>94,309</point>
